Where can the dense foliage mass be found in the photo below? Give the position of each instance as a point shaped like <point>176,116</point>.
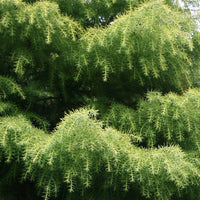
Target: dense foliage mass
<point>99,99</point>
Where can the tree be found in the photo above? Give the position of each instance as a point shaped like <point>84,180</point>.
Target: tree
<point>123,75</point>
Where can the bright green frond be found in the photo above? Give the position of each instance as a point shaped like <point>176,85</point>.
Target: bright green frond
<point>150,43</point>
<point>79,149</point>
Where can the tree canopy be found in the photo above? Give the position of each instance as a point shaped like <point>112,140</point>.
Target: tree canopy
<point>99,99</point>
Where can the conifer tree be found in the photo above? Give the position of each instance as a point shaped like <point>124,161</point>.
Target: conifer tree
<point>99,99</point>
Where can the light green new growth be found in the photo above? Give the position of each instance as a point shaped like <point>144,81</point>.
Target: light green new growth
<point>151,41</point>
<point>161,120</point>
<point>78,149</point>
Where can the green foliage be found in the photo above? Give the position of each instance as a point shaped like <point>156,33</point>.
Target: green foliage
<point>79,148</point>
<point>121,70</point>
<point>161,120</point>
<point>35,35</point>
<point>9,87</point>
<point>93,13</point>
<point>170,119</point>
<point>151,43</point>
